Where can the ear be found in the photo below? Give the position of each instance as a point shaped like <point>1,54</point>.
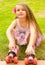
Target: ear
<point>14,10</point>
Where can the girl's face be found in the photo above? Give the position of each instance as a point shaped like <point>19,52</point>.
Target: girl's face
<point>20,11</point>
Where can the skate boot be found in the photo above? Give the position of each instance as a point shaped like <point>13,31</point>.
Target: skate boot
<point>30,60</point>
<point>12,55</point>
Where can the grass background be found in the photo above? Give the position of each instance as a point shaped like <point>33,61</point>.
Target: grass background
<point>6,17</point>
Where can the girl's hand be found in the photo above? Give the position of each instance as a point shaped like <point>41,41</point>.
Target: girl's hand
<point>30,50</point>
<point>11,45</point>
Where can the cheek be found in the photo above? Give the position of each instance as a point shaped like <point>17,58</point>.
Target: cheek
<point>17,13</point>
<point>24,13</point>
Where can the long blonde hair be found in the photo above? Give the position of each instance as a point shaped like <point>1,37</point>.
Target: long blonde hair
<point>30,17</point>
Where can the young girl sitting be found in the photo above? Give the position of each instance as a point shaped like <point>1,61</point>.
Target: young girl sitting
<point>24,30</point>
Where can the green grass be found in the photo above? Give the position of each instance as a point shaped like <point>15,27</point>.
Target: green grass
<point>6,17</point>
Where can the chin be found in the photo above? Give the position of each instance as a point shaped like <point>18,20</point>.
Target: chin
<point>21,17</point>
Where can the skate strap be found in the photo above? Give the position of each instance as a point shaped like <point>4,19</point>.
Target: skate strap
<point>32,55</point>
<point>12,52</point>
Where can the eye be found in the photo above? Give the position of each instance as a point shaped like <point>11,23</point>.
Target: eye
<point>18,10</point>
<point>23,9</point>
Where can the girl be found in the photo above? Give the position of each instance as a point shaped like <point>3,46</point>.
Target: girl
<point>24,30</point>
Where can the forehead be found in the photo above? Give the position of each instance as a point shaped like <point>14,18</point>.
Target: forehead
<point>20,7</point>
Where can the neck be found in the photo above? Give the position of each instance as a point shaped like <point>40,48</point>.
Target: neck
<point>23,20</point>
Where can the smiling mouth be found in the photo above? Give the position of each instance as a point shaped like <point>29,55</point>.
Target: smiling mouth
<point>20,14</point>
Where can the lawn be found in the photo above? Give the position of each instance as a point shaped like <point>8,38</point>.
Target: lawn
<point>6,17</point>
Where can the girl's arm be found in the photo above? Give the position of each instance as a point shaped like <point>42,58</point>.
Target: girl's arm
<point>33,35</point>
<point>32,40</point>
<point>9,33</point>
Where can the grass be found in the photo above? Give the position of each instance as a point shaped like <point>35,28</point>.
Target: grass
<point>6,17</point>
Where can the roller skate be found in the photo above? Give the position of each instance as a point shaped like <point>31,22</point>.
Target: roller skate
<point>12,55</point>
<point>30,60</point>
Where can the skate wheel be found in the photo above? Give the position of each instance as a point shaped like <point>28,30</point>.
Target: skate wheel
<point>7,60</point>
<point>15,60</point>
<point>26,61</point>
<point>35,61</point>
<point>30,60</point>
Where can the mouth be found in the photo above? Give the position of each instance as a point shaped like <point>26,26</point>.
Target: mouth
<point>20,14</point>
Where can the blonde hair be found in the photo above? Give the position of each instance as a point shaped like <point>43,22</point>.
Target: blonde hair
<point>30,17</point>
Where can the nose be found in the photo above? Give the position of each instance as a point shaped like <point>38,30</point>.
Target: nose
<point>20,10</point>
